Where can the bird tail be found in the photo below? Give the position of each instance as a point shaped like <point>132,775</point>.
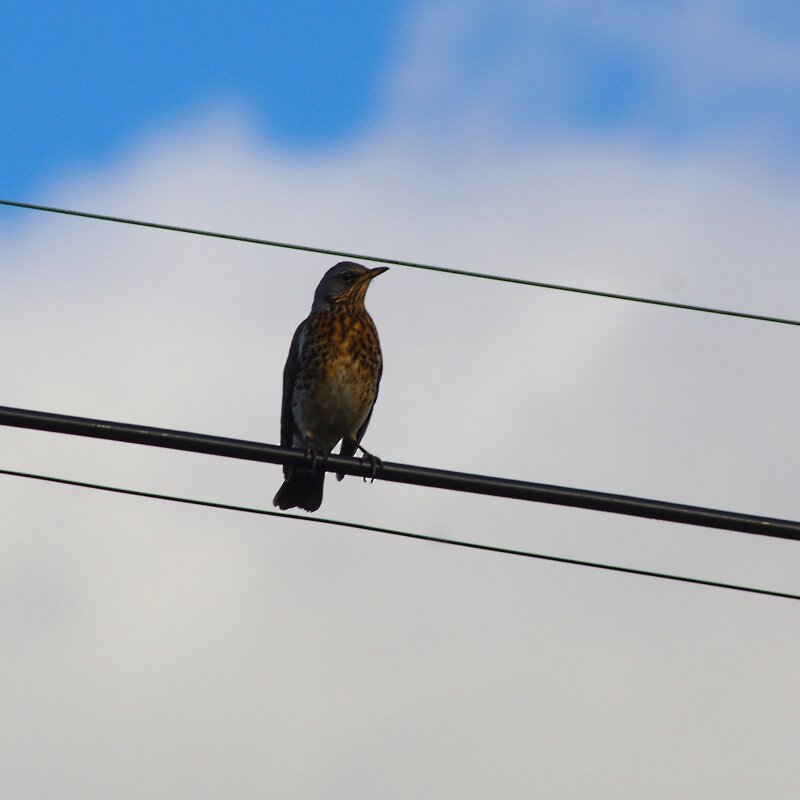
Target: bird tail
<point>301,489</point>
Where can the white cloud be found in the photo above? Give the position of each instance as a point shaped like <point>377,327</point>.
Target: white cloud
<point>162,651</point>
<point>681,71</point>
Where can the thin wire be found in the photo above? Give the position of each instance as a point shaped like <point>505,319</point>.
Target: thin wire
<point>394,532</point>
<point>402,263</point>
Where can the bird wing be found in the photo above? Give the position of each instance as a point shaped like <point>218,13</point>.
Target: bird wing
<point>289,376</point>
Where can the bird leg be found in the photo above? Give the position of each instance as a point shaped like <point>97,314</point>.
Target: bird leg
<point>313,455</point>
<point>374,463</point>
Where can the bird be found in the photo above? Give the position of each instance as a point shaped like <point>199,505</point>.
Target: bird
<point>330,381</point>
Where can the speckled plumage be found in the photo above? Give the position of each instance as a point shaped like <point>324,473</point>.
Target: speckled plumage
<point>331,379</point>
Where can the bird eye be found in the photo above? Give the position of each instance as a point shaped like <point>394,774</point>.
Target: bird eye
<point>348,277</point>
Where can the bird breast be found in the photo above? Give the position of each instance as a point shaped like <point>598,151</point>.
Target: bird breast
<point>339,360</point>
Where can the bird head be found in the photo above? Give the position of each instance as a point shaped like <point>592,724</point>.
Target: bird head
<point>346,282</point>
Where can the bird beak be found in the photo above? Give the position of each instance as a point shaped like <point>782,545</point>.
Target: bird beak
<point>373,273</point>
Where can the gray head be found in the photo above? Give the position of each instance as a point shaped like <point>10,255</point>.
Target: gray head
<point>346,282</point>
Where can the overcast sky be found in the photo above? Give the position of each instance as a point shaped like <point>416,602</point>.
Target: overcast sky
<point>161,651</point>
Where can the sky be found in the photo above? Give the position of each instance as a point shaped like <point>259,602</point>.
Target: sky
<point>153,650</point>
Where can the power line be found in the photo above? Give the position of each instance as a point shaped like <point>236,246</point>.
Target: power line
<point>402,473</point>
<point>396,532</point>
<point>403,263</point>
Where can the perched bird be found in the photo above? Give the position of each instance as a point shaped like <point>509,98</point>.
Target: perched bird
<point>330,381</point>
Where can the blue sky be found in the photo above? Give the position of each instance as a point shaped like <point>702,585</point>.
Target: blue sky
<point>82,82</point>
<point>87,78</point>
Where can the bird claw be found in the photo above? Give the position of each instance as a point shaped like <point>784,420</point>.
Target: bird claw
<point>374,462</point>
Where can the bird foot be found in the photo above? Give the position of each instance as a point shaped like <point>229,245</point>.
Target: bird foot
<point>374,462</point>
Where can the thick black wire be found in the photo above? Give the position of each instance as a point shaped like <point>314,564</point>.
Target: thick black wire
<point>402,473</point>
<point>402,263</point>
<point>395,532</point>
